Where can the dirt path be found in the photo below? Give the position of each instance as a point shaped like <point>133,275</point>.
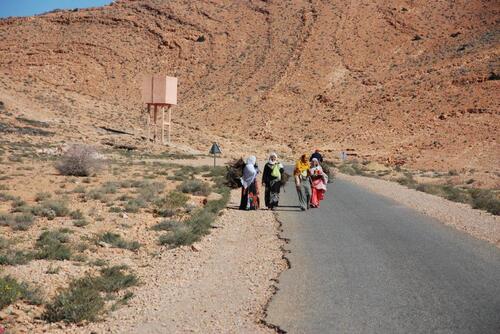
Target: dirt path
<point>219,286</point>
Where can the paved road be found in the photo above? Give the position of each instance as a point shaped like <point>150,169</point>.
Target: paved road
<point>365,264</point>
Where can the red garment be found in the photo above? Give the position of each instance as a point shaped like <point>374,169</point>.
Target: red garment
<point>318,192</point>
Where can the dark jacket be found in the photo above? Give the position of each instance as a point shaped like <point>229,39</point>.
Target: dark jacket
<point>267,177</point>
<point>316,155</point>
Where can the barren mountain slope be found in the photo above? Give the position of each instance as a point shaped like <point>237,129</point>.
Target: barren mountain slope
<point>415,81</point>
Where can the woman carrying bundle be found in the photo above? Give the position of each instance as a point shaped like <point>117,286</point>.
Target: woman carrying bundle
<point>249,190</point>
<point>318,183</point>
<point>271,179</point>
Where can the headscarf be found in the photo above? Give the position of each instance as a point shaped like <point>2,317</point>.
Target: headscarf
<point>318,170</point>
<point>273,154</point>
<point>301,166</point>
<point>249,172</point>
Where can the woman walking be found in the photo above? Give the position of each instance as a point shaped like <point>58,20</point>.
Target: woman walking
<point>271,179</point>
<point>249,190</point>
<point>303,181</point>
<point>318,182</point>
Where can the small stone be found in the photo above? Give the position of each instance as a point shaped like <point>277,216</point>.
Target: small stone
<point>103,244</point>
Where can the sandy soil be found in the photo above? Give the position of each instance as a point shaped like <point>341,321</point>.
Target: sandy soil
<point>413,82</point>
<point>477,223</point>
<point>220,285</point>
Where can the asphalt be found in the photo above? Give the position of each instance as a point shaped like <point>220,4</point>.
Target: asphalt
<point>364,264</point>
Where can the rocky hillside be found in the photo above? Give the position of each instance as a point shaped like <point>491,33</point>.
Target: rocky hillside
<point>407,81</point>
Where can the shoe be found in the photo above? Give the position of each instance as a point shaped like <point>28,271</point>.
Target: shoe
<point>303,209</point>
<point>273,208</point>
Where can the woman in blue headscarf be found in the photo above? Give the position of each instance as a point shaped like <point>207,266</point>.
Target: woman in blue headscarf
<point>249,191</point>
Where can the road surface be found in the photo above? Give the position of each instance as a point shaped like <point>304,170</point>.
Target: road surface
<point>364,264</point>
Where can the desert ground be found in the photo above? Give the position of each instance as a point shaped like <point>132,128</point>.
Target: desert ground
<point>408,89</point>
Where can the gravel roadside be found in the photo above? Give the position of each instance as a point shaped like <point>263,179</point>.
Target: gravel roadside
<point>220,285</point>
<point>477,223</point>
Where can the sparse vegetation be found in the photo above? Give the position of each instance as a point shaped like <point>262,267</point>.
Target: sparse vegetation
<point>485,200</point>
<point>80,160</point>
<point>134,205</point>
<point>14,258</point>
<point>166,225</point>
<point>113,279</point>
<point>117,241</point>
<point>197,225</point>
<point>80,222</point>
<point>167,206</point>
<point>51,245</point>
<point>82,300</point>
<point>77,214</point>
<point>195,187</point>
<point>18,222</point>
<point>11,291</point>
<point>75,304</point>
<point>51,209</point>
<point>42,196</point>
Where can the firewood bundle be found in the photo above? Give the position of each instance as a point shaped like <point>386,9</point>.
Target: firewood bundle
<point>234,173</point>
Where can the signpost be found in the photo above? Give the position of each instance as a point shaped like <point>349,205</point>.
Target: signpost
<point>215,149</point>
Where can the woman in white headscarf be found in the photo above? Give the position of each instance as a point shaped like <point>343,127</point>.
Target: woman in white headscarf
<point>249,191</point>
<point>271,179</point>
<point>318,183</point>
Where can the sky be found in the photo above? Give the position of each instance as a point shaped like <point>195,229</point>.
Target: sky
<point>32,7</point>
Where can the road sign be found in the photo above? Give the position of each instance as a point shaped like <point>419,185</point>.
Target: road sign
<point>215,149</point>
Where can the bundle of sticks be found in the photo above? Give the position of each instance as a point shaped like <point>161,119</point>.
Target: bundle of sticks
<point>234,173</point>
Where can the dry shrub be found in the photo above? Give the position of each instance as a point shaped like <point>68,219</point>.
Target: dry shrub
<point>80,160</point>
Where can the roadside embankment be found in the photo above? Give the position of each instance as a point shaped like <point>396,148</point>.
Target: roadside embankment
<point>219,285</point>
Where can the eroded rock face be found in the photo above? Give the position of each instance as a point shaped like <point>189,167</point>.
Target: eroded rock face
<point>292,75</point>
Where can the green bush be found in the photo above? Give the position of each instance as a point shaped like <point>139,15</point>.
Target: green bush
<point>79,190</point>
<point>347,169</point>
<point>96,194</point>
<point>134,205</point>
<point>110,187</point>
<point>51,208</point>
<point>407,180</point>
<point>150,191</point>
<point>113,279</point>
<point>181,235</point>
<point>42,196</point>
<point>23,222</point>
<point>166,225</point>
<point>195,187</point>
<point>20,222</point>
<point>485,200</point>
<point>4,197</point>
<point>77,214</point>
<point>117,241</point>
<point>115,209</point>
<point>80,223</point>
<point>51,246</point>
<point>11,291</point>
<point>14,258</point>
<point>82,300</point>
<point>4,243</point>
<point>75,304</point>
<point>167,206</point>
